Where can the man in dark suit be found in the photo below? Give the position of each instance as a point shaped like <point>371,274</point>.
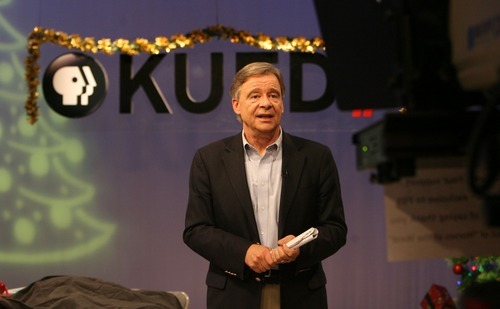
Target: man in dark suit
<point>251,193</point>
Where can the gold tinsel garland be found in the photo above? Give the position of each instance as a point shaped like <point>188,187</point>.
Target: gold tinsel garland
<point>142,45</point>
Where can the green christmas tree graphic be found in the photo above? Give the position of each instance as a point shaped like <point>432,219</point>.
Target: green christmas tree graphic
<point>45,197</point>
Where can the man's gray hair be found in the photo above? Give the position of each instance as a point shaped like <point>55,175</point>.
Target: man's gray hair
<point>252,69</point>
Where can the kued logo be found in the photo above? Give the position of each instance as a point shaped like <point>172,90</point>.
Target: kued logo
<point>74,85</point>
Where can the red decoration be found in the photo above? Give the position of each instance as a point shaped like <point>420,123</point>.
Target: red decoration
<point>437,298</point>
<point>3,290</point>
<point>458,269</point>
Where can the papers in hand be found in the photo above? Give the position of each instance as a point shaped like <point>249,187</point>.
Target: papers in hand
<point>303,238</point>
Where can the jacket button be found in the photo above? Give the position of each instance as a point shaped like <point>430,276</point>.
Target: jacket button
<point>257,279</point>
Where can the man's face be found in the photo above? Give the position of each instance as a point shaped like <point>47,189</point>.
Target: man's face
<point>260,105</point>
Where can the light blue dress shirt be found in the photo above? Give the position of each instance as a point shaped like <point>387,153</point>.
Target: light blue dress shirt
<point>264,182</point>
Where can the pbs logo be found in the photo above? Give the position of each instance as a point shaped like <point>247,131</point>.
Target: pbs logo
<point>74,85</point>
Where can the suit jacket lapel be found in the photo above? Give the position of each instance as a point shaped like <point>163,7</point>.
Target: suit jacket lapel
<point>293,163</point>
<point>234,162</point>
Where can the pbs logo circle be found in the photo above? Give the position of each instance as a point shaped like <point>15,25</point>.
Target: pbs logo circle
<point>74,85</point>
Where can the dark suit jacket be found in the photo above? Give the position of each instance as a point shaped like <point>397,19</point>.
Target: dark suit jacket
<point>220,222</point>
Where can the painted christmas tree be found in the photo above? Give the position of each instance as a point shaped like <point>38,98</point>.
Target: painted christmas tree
<point>46,197</point>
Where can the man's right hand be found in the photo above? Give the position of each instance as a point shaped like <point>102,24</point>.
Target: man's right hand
<point>259,258</point>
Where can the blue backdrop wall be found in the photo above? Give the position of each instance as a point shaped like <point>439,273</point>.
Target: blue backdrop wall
<point>105,195</point>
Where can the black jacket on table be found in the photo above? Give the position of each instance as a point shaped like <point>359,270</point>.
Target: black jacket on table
<point>221,226</point>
